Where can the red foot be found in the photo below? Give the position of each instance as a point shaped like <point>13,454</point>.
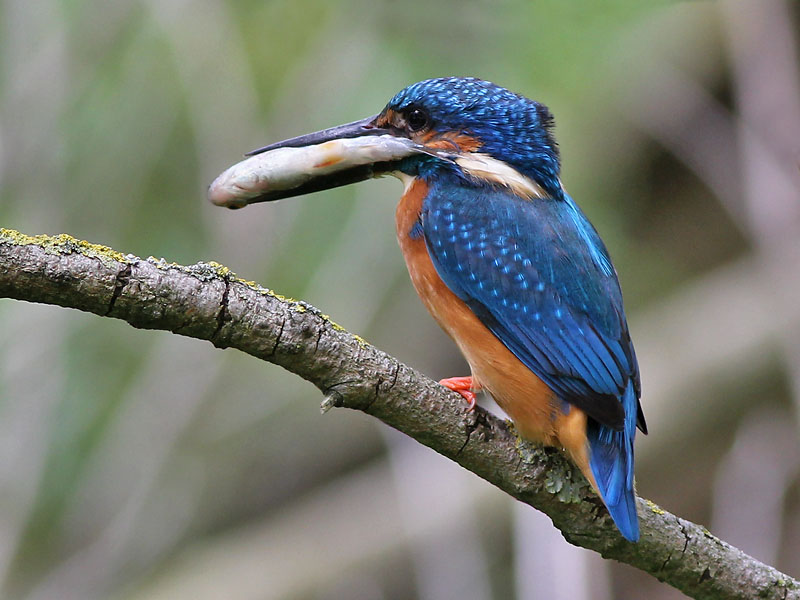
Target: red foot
<point>462,385</point>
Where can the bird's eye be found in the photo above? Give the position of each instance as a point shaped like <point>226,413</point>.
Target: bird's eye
<point>417,119</point>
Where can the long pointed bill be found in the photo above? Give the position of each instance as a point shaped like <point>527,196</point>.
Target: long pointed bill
<point>310,163</point>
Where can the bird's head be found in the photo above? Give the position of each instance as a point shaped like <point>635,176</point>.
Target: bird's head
<point>464,115</point>
<point>479,131</point>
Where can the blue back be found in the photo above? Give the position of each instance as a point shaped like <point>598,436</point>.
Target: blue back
<point>538,276</point>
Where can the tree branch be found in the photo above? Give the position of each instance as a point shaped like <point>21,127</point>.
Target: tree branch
<point>207,301</point>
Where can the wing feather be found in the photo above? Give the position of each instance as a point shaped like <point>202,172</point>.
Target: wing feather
<point>538,276</point>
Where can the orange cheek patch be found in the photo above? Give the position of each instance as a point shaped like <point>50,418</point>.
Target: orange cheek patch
<point>386,119</point>
<point>450,140</point>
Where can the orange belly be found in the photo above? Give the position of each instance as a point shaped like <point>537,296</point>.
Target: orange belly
<point>527,400</point>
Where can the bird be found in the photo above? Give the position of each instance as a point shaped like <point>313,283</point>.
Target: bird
<point>501,256</point>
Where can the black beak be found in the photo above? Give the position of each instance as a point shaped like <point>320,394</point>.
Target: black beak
<point>313,162</point>
<point>348,130</point>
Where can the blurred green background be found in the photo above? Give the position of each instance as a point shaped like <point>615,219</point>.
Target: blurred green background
<point>137,464</point>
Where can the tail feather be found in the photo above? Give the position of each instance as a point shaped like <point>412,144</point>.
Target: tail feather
<point>611,462</point>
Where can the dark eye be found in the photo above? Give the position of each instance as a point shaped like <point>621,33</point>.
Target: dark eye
<point>417,119</point>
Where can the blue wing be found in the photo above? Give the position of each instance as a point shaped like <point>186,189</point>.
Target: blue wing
<point>538,276</point>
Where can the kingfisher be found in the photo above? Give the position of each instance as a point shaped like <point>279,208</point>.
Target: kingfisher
<point>502,257</point>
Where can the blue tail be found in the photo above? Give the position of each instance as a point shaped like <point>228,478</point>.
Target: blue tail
<point>611,460</point>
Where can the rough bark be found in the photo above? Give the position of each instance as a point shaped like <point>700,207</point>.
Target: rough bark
<point>207,301</point>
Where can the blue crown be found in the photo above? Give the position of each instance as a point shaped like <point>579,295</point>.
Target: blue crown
<point>509,127</point>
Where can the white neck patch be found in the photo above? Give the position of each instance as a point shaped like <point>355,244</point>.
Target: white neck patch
<point>483,166</point>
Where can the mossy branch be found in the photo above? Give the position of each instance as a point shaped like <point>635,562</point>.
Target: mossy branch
<point>207,301</point>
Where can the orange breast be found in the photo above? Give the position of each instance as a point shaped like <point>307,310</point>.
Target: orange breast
<point>529,402</point>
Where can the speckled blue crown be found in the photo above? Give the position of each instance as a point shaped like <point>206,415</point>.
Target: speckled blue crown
<point>510,127</point>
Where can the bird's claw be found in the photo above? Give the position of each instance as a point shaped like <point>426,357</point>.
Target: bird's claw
<point>462,385</point>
